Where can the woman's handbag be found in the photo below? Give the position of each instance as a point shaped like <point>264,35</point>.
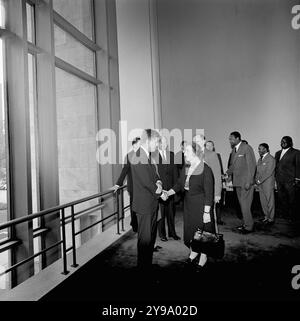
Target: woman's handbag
<point>212,244</point>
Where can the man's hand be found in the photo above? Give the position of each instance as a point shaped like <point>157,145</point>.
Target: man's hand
<point>115,188</point>
<point>164,195</point>
<point>217,199</point>
<point>159,187</point>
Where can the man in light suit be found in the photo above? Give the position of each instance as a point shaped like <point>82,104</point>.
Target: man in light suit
<point>147,188</point>
<point>212,160</point>
<point>241,172</point>
<point>265,180</point>
<point>287,174</point>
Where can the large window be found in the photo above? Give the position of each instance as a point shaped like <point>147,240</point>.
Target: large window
<point>76,129</point>
<point>78,12</point>
<point>72,51</point>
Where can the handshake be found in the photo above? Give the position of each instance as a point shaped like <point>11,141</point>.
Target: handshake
<point>164,194</point>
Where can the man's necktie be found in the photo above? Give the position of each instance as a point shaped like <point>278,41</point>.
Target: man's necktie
<point>152,161</point>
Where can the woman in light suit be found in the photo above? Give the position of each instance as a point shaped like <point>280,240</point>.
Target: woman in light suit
<point>197,183</point>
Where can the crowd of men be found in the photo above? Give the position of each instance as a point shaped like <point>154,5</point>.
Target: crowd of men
<point>267,175</point>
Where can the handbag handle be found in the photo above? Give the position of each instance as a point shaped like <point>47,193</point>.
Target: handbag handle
<point>215,219</point>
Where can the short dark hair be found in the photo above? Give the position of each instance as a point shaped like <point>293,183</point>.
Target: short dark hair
<point>289,140</point>
<point>244,141</point>
<point>149,134</point>
<point>236,135</point>
<point>265,145</point>
<point>210,141</point>
<point>135,140</point>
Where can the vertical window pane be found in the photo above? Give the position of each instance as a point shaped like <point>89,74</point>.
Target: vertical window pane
<point>76,122</point>
<point>3,172</point>
<point>34,151</point>
<point>73,52</point>
<point>78,12</point>
<point>2,14</point>
<point>30,23</point>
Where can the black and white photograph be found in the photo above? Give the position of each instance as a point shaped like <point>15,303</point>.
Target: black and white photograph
<point>149,157</point>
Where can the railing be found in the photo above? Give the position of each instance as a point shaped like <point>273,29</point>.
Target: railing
<point>118,214</point>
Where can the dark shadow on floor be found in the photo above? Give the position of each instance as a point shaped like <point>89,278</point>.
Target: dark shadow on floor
<point>255,267</point>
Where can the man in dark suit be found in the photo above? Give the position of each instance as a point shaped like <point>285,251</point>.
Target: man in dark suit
<point>180,163</point>
<point>179,157</point>
<point>126,172</point>
<point>168,174</point>
<point>287,175</point>
<point>241,171</point>
<point>265,180</point>
<point>147,188</point>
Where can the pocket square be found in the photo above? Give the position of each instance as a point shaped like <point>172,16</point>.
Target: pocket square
<point>240,155</point>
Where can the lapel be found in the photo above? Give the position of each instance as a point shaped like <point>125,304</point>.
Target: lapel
<point>286,153</point>
<point>235,157</point>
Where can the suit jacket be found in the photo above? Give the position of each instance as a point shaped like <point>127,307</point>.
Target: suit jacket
<point>242,165</point>
<point>265,171</point>
<point>144,178</point>
<point>212,160</point>
<point>288,168</point>
<point>221,164</point>
<point>167,170</point>
<point>126,171</point>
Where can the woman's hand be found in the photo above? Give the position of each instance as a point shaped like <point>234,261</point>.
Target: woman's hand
<point>206,218</point>
<point>170,192</point>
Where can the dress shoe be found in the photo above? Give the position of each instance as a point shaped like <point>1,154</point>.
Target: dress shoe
<point>176,237</point>
<point>241,227</point>
<point>199,268</point>
<point>157,248</point>
<point>263,220</point>
<point>191,262</point>
<point>268,223</point>
<point>164,239</point>
<point>245,231</point>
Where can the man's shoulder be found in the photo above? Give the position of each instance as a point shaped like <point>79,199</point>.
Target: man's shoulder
<point>270,158</point>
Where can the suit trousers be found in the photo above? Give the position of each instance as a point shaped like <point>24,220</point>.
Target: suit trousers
<point>147,230</point>
<point>133,218</point>
<point>287,200</point>
<point>167,212</point>
<point>245,198</point>
<point>267,201</point>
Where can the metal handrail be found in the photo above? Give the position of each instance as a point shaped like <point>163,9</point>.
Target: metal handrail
<point>119,213</point>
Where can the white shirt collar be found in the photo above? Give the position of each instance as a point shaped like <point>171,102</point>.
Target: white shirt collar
<point>265,155</point>
<point>147,153</point>
<point>237,146</point>
<point>283,151</point>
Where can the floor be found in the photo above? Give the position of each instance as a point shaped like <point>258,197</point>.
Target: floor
<point>255,267</point>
